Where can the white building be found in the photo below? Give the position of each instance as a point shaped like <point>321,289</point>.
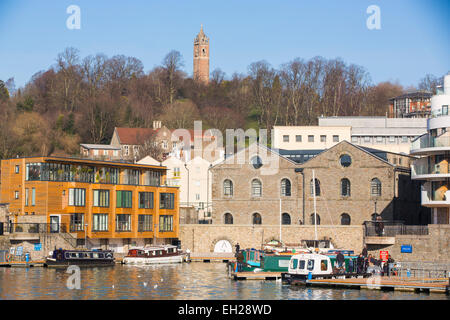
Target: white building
<point>434,147</point>
<point>387,134</point>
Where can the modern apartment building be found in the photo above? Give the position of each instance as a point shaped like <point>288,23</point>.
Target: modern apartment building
<point>432,169</point>
<point>112,204</point>
<point>415,104</point>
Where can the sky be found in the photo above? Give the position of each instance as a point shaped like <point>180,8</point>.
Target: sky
<point>414,38</point>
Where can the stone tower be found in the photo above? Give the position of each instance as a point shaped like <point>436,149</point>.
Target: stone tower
<point>201,57</point>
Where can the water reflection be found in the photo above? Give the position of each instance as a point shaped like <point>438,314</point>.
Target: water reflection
<point>163,282</point>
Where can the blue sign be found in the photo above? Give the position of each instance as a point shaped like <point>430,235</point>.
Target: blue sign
<point>406,249</point>
<point>19,251</point>
<point>37,246</point>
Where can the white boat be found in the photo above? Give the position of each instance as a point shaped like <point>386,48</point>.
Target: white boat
<point>154,255</point>
<point>308,266</point>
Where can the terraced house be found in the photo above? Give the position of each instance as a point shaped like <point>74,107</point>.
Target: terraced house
<point>113,205</point>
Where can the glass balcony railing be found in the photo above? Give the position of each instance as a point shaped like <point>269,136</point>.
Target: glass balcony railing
<point>424,168</point>
<point>428,141</point>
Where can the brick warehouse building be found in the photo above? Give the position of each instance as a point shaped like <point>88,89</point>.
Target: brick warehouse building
<point>354,185</point>
<point>112,204</point>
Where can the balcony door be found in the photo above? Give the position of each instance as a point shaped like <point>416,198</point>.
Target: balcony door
<point>54,224</point>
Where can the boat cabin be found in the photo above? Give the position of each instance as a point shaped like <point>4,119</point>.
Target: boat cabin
<point>61,255</point>
<point>317,264</point>
<point>149,252</point>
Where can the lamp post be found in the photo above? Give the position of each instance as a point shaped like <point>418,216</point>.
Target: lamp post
<point>185,165</point>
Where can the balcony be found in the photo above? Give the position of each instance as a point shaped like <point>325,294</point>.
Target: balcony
<point>424,169</point>
<point>435,194</point>
<point>427,144</point>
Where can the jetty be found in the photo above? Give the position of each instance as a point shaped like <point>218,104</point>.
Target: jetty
<point>248,275</point>
<point>208,257</point>
<point>392,283</point>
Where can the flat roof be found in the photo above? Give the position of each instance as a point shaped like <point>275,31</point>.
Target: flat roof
<point>90,161</point>
<point>99,146</point>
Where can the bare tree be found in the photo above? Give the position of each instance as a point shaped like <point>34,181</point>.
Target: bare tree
<point>172,64</point>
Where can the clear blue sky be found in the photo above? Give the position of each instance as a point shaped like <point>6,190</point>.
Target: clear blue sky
<point>414,38</point>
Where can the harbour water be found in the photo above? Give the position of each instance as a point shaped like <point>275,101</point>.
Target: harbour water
<point>164,282</point>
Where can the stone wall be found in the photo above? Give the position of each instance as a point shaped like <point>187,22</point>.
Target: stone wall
<point>434,247</point>
<point>202,238</point>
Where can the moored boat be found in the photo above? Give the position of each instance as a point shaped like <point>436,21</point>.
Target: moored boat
<point>154,255</point>
<point>308,266</point>
<point>81,258</point>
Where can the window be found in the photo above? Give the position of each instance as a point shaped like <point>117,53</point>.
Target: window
<point>345,160</point>
<point>256,162</point>
<point>323,265</point>
<point>256,188</point>
<point>17,168</point>
<point>285,218</point>
<point>301,265</point>
<point>146,200</point>
<point>76,222</point>
<point>26,197</point>
<point>33,196</point>
<point>317,186</point>
<point>77,197</point>
<point>126,150</point>
<point>445,110</point>
<point>366,139</point>
<point>312,219</point>
<point>165,145</point>
<point>256,218</point>
<point>375,187</point>
<point>100,222</point>
<point>123,199</point>
<point>298,138</point>
<point>286,187</point>
<point>285,138</point>
<point>227,188</point>
<point>345,187</point>
<point>95,152</point>
<point>166,200</point>
<point>379,139</point>
<point>391,139</point>
<point>165,223</point>
<point>16,194</point>
<point>323,138</point>
<point>145,222</point>
<point>310,265</point>
<point>345,219</point>
<point>354,139</point>
<point>176,172</point>
<point>294,263</point>
<point>228,218</point>
<point>101,198</point>
<point>335,138</point>
<point>123,222</point>
<point>310,138</point>
<point>131,176</point>
<point>197,196</point>
<point>404,139</point>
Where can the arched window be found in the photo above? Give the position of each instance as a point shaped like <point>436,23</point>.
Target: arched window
<point>345,219</point>
<point>312,219</point>
<point>228,218</point>
<point>256,188</point>
<point>345,187</point>
<point>256,218</point>
<point>375,187</point>
<point>285,218</point>
<point>228,187</point>
<point>317,187</point>
<point>286,187</point>
<point>256,162</point>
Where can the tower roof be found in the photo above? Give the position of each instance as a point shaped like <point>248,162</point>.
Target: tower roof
<point>201,35</point>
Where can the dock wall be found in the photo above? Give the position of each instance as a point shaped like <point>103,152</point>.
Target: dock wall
<point>203,237</point>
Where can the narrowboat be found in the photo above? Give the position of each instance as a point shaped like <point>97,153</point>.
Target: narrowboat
<point>308,266</point>
<point>155,255</point>
<point>81,258</point>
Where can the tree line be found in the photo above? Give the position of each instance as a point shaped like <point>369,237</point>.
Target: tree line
<point>82,99</point>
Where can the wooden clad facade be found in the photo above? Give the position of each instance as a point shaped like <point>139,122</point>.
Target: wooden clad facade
<point>63,190</point>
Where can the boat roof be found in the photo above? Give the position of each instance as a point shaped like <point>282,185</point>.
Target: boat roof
<point>161,247</point>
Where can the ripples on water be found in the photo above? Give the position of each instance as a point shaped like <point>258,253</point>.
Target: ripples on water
<point>163,282</point>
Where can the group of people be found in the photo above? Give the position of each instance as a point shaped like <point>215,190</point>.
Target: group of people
<point>365,261</point>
